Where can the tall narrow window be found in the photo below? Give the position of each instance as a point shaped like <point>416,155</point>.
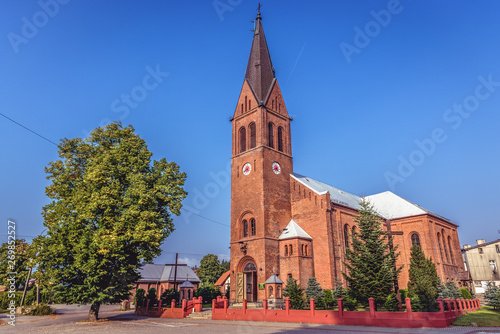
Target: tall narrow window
<point>245,228</point>
<point>246,104</point>
<point>286,250</point>
<point>440,248</point>
<point>346,235</point>
<point>253,135</point>
<point>306,251</point>
<point>252,226</point>
<point>243,140</point>
<point>280,139</point>
<point>444,246</point>
<point>415,239</point>
<point>291,250</point>
<point>451,252</point>
<point>302,250</point>
<point>497,247</point>
<point>271,134</point>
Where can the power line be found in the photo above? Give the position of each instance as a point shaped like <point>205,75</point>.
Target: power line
<point>213,221</point>
<point>39,135</point>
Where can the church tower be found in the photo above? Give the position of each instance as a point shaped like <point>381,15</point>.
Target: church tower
<point>261,165</point>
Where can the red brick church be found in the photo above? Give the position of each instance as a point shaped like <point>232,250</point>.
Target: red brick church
<point>290,225</point>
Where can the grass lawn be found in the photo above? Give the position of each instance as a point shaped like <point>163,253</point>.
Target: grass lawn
<point>485,317</point>
<point>207,305</point>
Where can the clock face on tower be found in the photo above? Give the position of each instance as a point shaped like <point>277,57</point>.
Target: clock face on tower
<point>276,168</point>
<point>247,168</point>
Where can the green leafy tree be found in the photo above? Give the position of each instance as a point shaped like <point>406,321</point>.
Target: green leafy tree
<point>207,292</point>
<point>111,210</point>
<point>314,290</point>
<point>371,263</point>
<point>423,281</point>
<point>168,295</point>
<point>295,293</point>
<point>225,265</point>
<point>209,270</point>
<point>14,258</point>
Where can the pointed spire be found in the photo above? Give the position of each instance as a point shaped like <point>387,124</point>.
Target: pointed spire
<point>260,72</point>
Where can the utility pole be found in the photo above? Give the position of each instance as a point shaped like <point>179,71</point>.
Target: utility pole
<point>175,271</point>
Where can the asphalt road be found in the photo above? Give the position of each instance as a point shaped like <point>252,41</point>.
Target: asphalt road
<point>69,320</point>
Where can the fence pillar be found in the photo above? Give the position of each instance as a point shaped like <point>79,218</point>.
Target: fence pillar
<point>478,305</point>
<point>408,308</point>
<point>455,306</point>
<point>313,306</point>
<point>441,306</point>
<point>340,303</point>
<point>213,305</point>
<point>459,301</point>
<point>264,305</point>
<point>147,305</point>
<point>468,305</point>
<point>218,298</point>
<point>448,304</point>
<point>244,306</point>
<point>287,305</point>
<point>371,302</point>
<point>172,305</point>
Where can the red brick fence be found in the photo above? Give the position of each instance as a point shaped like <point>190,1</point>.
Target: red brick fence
<point>187,307</point>
<point>408,319</point>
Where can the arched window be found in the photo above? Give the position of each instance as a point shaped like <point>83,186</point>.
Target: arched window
<point>440,247</point>
<point>271,292</point>
<point>243,140</point>
<point>280,139</point>
<point>270,128</point>
<point>278,292</point>
<point>253,135</point>
<point>346,235</point>
<point>286,250</point>
<point>302,249</point>
<point>245,228</point>
<point>415,239</point>
<point>306,251</point>
<point>444,246</point>
<point>451,252</point>
<point>291,250</point>
<point>246,104</point>
<point>252,226</point>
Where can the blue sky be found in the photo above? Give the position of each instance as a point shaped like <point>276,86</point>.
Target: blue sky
<point>385,95</point>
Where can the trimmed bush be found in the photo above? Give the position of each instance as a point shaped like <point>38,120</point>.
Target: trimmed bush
<point>42,309</point>
<point>465,293</point>
<point>140,298</point>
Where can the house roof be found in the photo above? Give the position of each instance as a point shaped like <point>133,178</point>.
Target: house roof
<point>166,273</point>
<point>387,204</point>
<point>223,278</point>
<point>274,280</point>
<point>293,230</point>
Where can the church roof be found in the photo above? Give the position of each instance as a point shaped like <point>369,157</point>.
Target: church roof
<point>293,230</point>
<point>387,204</point>
<point>166,273</point>
<point>260,72</point>
<point>274,280</point>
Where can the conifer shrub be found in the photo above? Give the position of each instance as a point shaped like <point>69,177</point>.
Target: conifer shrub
<point>328,298</point>
<point>315,292</point>
<point>423,282</point>
<point>492,295</point>
<point>295,293</point>
<point>465,293</point>
<point>140,298</point>
<point>153,301</point>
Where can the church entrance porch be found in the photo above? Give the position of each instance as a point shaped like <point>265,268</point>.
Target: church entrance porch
<point>246,283</point>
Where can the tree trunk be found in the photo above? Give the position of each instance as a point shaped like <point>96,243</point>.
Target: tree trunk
<point>94,312</point>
